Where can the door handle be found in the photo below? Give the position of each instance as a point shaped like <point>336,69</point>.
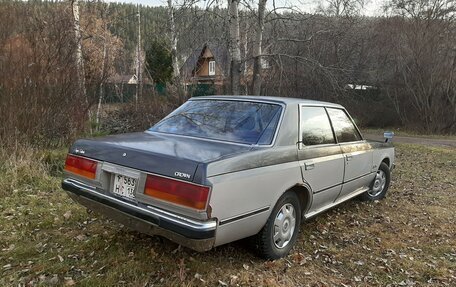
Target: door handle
<point>309,165</point>
<point>349,157</point>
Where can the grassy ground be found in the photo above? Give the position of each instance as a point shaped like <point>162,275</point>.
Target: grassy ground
<point>408,239</point>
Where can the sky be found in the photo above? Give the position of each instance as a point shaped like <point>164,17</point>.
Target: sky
<point>371,8</point>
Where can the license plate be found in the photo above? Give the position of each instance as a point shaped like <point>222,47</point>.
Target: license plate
<point>124,185</point>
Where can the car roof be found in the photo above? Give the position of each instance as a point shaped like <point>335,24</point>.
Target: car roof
<point>282,100</point>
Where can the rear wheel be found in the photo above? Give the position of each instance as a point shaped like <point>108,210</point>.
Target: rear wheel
<point>380,185</point>
<point>280,232</point>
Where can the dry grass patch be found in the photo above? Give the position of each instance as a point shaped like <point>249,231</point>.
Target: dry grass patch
<point>408,239</point>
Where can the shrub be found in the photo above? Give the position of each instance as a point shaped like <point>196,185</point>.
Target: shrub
<point>130,117</point>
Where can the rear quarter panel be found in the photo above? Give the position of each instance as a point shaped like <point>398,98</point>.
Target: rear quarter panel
<point>243,198</point>
<point>382,151</point>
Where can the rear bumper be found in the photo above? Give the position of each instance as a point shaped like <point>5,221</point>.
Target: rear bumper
<point>197,235</point>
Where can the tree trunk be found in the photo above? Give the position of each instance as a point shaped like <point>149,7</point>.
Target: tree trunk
<point>138,62</point>
<point>173,39</point>
<point>79,57</point>
<point>103,77</point>
<point>257,60</point>
<point>244,55</point>
<point>235,46</point>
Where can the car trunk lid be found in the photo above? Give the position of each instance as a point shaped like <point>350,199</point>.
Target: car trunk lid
<point>167,155</point>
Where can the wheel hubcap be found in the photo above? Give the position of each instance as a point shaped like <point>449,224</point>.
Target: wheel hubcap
<point>379,184</point>
<point>284,225</point>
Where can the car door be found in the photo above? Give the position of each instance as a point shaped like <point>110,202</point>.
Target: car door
<point>358,155</point>
<point>320,157</point>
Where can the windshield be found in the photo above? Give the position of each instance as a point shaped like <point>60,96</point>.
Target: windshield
<point>233,121</point>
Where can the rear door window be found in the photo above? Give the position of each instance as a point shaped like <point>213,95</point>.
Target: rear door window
<point>315,126</point>
<point>343,126</point>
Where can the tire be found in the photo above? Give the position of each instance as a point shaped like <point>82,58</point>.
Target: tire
<point>280,232</point>
<point>379,185</point>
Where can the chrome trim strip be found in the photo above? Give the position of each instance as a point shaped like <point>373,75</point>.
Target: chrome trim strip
<point>326,188</point>
<point>152,211</point>
<point>197,225</point>
<point>337,202</point>
<point>353,142</point>
<point>358,177</point>
<point>344,182</point>
<point>245,215</point>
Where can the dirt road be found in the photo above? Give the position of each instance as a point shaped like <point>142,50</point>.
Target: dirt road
<point>415,140</point>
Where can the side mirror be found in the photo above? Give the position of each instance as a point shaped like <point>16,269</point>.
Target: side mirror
<point>388,136</point>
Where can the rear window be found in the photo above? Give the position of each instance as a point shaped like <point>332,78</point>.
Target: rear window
<point>233,121</point>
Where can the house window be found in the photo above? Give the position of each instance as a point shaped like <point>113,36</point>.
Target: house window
<point>211,68</point>
<point>264,63</point>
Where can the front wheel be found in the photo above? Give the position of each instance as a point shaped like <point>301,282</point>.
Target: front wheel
<point>280,232</point>
<point>380,185</point>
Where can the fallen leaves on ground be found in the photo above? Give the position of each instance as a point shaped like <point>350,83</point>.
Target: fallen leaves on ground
<point>407,239</point>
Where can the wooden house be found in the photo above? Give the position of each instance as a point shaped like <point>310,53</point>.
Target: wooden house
<point>207,70</point>
<point>206,67</point>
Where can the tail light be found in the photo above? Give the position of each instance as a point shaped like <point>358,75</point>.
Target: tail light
<point>81,166</point>
<point>178,192</point>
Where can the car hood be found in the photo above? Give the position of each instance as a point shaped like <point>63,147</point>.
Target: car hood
<point>157,153</point>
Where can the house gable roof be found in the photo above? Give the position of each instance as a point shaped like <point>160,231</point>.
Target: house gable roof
<point>219,52</point>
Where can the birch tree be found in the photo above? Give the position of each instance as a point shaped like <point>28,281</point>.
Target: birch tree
<point>79,56</point>
<point>101,89</point>
<point>103,65</point>
<point>173,37</point>
<point>257,50</point>
<point>234,43</point>
<point>138,61</point>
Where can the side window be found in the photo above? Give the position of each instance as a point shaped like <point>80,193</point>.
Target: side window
<point>315,126</point>
<point>343,127</point>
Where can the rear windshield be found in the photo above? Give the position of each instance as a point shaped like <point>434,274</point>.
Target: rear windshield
<point>233,121</point>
